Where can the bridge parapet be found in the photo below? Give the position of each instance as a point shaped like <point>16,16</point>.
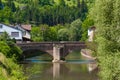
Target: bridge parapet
<point>58,45</point>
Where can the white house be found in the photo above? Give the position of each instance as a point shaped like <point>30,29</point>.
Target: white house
<point>12,32</point>
<point>25,31</point>
<point>91,33</point>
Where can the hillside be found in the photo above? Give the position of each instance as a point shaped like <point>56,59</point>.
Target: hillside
<point>52,20</point>
<point>36,12</point>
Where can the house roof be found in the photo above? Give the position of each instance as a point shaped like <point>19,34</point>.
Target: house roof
<point>26,27</point>
<point>93,27</point>
<point>9,26</point>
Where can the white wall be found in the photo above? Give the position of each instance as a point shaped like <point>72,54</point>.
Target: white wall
<point>8,29</point>
<point>90,35</point>
<point>27,35</point>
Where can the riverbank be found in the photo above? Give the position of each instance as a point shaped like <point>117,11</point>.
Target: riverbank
<point>9,70</point>
<point>87,54</point>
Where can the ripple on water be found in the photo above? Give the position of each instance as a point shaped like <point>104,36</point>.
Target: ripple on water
<point>67,61</point>
<point>80,61</point>
<point>37,61</point>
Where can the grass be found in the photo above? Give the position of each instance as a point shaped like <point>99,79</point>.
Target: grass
<point>9,70</point>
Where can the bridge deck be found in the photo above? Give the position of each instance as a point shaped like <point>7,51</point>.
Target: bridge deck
<point>48,47</point>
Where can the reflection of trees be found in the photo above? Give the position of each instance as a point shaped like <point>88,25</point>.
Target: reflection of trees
<point>62,71</point>
<point>92,66</point>
<point>36,69</point>
<point>36,52</point>
<point>73,55</point>
<point>66,71</point>
<point>77,67</point>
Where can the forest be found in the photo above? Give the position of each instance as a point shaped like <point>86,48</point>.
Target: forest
<point>52,20</point>
<point>42,11</point>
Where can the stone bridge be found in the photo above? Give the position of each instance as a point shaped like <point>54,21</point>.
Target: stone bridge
<point>55,49</point>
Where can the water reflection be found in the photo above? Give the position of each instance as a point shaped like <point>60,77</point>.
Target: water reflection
<point>59,71</point>
<point>41,69</point>
<point>56,70</point>
<point>92,66</point>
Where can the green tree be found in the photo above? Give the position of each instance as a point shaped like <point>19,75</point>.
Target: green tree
<point>106,16</point>
<point>4,37</point>
<point>83,10</point>
<point>50,34</point>
<point>75,29</point>
<point>86,24</point>
<point>1,5</point>
<point>63,34</point>
<point>62,2</point>
<point>11,5</point>
<point>36,34</point>
<point>7,15</point>
<point>78,3</point>
<point>45,2</point>
<point>8,48</point>
<point>5,49</point>
<point>18,16</point>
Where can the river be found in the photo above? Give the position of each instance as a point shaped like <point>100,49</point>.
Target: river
<point>75,68</point>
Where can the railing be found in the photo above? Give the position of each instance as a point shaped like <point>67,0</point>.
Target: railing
<point>57,42</point>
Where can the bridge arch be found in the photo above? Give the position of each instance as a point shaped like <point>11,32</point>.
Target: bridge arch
<point>34,52</point>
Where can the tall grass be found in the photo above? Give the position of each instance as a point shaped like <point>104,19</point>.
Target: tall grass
<point>9,70</point>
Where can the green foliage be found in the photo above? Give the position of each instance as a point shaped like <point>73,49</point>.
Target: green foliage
<point>9,69</point>
<point>67,32</point>
<point>4,37</point>
<point>42,11</point>
<point>50,12</point>
<point>36,34</point>
<point>8,48</point>
<point>35,69</point>
<point>50,34</point>
<point>93,47</point>
<point>45,2</point>
<point>88,22</point>
<point>15,51</point>
<point>4,48</point>
<point>22,1</point>
<point>75,30</point>
<point>83,9</point>
<point>71,2</point>
<point>6,15</point>
<point>110,69</point>
<point>108,60</point>
<point>11,5</point>
<point>106,16</point>
<point>1,5</point>
<point>63,34</point>
<point>44,33</point>
<point>90,3</point>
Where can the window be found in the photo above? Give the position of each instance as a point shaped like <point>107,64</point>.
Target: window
<point>1,26</point>
<point>24,33</point>
<point>15,34</point>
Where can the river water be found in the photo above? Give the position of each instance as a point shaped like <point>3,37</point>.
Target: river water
<point>75,68</point>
